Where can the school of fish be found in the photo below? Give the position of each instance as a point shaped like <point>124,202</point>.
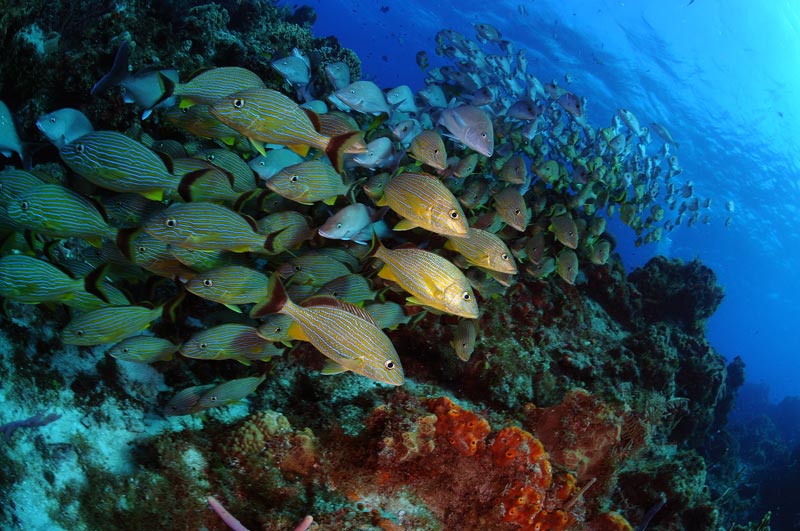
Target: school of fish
<point>324,217</point>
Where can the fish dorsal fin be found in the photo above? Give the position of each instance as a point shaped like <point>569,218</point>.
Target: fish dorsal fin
<point>333,302</point>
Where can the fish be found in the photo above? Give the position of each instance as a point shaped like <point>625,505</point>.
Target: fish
<point>230,341</point>
<point>57,211</point>
<point>286,230</point>
<point>379,154</point>
<point>64,126</point>
<point>266,115</point>
<point>535,247</point>
<point>110,324</point>
<point>387,315</point>
<point>151,254</point>
<point>572,104</point>
<point>10,141</point>
<point>664,133</point>
<point>344,333</point>
<point>199,121</point>
<point>205,226</point>
<point>401,99</point>
<point>601,250</point>
<point>464,336</point>
<point>211,85</point>
<point>295,68</point>
<point>352,288</point>
<point>428,148</point>
<point>146,87</point>
<point>514,171</point>
<point>203,397</point>
<point>30,280</point>
<point>199,260</point>
<point>541,269</point>
<point>265,166</point>
<point>119,163</point>
<point>465,166</point>
<point>144,349</point>
<point>432,280</point>
<point>275,327</point>
<point>242,175</point>
<point>129,209</point>
<point>433,96</point>
<point>338,74</point>
<point>471,126</point>
<point>364,97</point>
<point>423,201</point>
<point>309,182</point>
<point>567,265</point>
<point>351,223</point>
<point>630,120</point>
<point>565,230</point>
<point>202,181</point>
<point>484,249</point>
<point>487,33</point>
<point>510,206</point>
<point>405,131</point>
<point>375,185</point>
<point>312,268</point>
<point>229,285</point>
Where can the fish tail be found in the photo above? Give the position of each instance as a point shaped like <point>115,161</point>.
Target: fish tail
<point>124,239</point>
<point>93,281</point>
<point>275,300</point>
<point>170,309</point>
<point>118,71</point>
<point>167,89</point>
<point>339,145</point>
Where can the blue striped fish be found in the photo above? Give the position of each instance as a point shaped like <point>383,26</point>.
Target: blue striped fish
<point>244,178</point>
<point>484,249</point>
<point>309,182</point>
<point>229,341</point>
<point>229,285</point>
<point>388,315</point>
<point>54,210</point>
<point>211,85</point>
<point>117,162</point>
<point>275,327</point>
<point>202,397</point>
<point>108,325</point>
<point>352,288</point>
<point>432,280</point>
<point>202,181</point>
<point>344,333</point>
<point>143,349</point>
<point>424,202</point>
<point>265,115</point>
<point>151,254</point>
<point>312,268</point>
<point>29,280</point>
<point>205,226</point>
<point>199,121</point>
<point>14,183</point>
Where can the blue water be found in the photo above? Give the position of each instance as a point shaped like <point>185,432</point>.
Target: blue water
<point>722,76</point>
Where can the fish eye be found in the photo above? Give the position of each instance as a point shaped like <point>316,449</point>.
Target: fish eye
<point>293,178</point>
<point>142,249</point>
<point>24,206</point>
<point>52,119</point>
<point>466,296</point>
<point>79,333</point>
<point>338,225</point>
<point>238,103</point>
<point>125,350</point>
<point>79,148</point>
<point>483,134</point>
<point>278,329</point>
<point>203,345</point>
<point>213,398</point>
<point>453,213</point>
<point>389,364</point>
<point>211,157</point>
<point>207,282</point>
<point>352,91</point>
<point>298,267</point>
<point>435,151</point>
<point>171,222</point>
<point>517,212</point>
<point>504,256</point>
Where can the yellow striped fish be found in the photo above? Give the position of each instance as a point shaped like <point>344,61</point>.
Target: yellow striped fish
<point>151,254</point>
<point>54,210</point>
<point>211,85</point>
<point>202,397</point>
<point>312,268</point>
<point>309,182</point>
<point>428,148</point>
<point>352,288</point>
<point>108,325</point>
<point>424,202</point>
<point>199,121</point>
<point>344,333</point>
<point>285,230</point>
<point>116,162</point>
<point>510,206</point>
<point>229,285</point>
<point>431,280</point>
<point>464,336</point>
<point>387,314</point>
<point>205,226</point>
<point>484,249</point>
<point>244,179</point>
<point>29,280</point>
<point>229,341</point>
<point>266,115</point>
<point>143,349</point>
<point>202,181</point>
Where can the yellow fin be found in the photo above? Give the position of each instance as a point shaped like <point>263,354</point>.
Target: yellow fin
<point>300,149</point>
<point>330,201</point>
<point>228,140</point>
<point>382,201</point>
<point>258,146</point>
<point>405,224</point>
<point>331,367</point>
<point>243,361</point>
<point>153,195</point>
<point>387,274</point>
<point>295,331</point>
<point>234,308</point>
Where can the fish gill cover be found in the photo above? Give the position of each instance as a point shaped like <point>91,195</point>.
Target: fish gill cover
<point>531,384</point>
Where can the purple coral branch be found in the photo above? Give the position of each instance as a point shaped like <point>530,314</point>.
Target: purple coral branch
<point>35,421</point>
<point>236,525</point>
<point>227,517</point>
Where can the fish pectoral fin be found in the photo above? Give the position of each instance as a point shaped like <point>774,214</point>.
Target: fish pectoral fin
<point>331,367</point>
<point>296,331</point>
<point>243,360</point>
<point>387,274</point>
<point>153,195</point>
<point>300,149</point>
<point>234,308</point>
<point>405,224</point>
<point>258,146</point>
